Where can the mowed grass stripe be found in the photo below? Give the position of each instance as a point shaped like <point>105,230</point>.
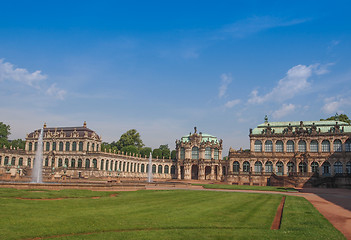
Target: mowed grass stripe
<point>161,214</point>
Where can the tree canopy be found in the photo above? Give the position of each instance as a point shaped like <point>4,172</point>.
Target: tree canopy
<point>131,137</point>
<point>337,117</point>
<point>4,134</point>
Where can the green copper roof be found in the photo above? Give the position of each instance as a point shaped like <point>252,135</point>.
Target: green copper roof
<point>324,126</point>
<point>205,138</point>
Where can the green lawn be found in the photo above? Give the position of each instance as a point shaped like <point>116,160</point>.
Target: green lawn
<point>176,214</point>
<point>246,187</point>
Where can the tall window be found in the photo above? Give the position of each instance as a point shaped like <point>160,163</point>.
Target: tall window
<point>35,146</point>
<point>268,146</point>
<point>53,162</point>
<point>337,145</point>
<point>207,153</point>
<point>325,146</point>
<point>87,163</point>
<point>236,166</point>
<point>173,169</point>
<point>314,167</point>
<point>348,167</point>
<point>93,147</point>
<point>67,146</point>
<point>326,168</point>
<point>279,146</point>
<point>280,168</point>
<point>88,145</point>
<point>74,146</point>
<point>195,153</point>
<point>80,163</point>
<point>47,147</point>
<point>182,153</point>
<point>29,162</point>
<point>246,166</point>
<point>314,146</point>
<point>302,146</point>
<point>54,146</point>
<point>46,162</point>
<point>337,167</point>
<point>290,146</point>
<point>348,145</point>
<point>216,153</point>
<point>268,167</point>
<point>80,146</point>
<point>60,162</point>
<point>102,165</point>
<point>258,146</point>
<point>166,169</point>
<point>61,146</point>
<point>302,167</point>
<point>6,161</point>
<point>66,162</point>
<point>30,146</point>
<point>20,161</point>
<point>73,163</point>
<point>159,169</point>
<point>258,167</point>
<point>94,163</point>
<point>291,167</point>
<point>153,168</point>
<point>13,161</point>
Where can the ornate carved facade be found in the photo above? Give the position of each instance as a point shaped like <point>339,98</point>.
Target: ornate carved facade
<point>199,157</point>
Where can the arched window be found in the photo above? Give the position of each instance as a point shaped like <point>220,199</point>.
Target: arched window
<point>67,146</point>
<point>302,146</point>
<point>258,167</point>
<point>87,163</point>
<point>127,167</point>
<point>35,146</point>
<point>302,167</point>
<point>268,167</point>
<point>291,167</point>
<point>93,147</point>
<point>107,164</point>
<point>53,162</point>
<point>142,167</point>
<point>153,168</point>
<point>30,146</point>
<point>6,161</point>
<point>61,146</point>
<point>73,163</point>
<point>279,146</point>
<point>173,169</point>
<point>236,166</point>
<point>67,162</point>
<point>195,153</point>
<point>102,164</point>
<point>326,168</point>
<point>54,146</point>
<point>120,166</point>
<point>279,168</point>
<point>138,167</point>
<point>97,147</point>
<point>0,160</point>
<point>111,165</point>
<point>338,167</point>
<point>80,146</point>
<point>116,164</point>
<point>258,146</point>
<point>216,153</point>
<point>290,146</point>
<point>314,146</point>
<point>268,146</point>
<point>208,153</point>
<point>124,166</point>
<point>182,153</point>
<point>60,162</point>
<point>348,145</point>
<point>314,167</point>
<point>325,146</point>
<point>337,145</point>
<point>47,147</point>
<point>166,169</point>
<point>74,146</point>
<point>29,162</point>
<point>80,163</point>
<point>348,167</point>
<point>246,166</point>
<point>46,162</point>
<point>20,161</point>
<point>94,163</point>
<point>159,169</point>
<point>88,146</point>
<point>13,161</point>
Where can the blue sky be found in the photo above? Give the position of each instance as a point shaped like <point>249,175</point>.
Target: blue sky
<point>163,67</point>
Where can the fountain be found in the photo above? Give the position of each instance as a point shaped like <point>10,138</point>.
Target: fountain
<point>149,174</point>
<point>38,160</point>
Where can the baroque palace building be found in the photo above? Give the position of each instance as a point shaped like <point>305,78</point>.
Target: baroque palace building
<point>75,152</point>
<point>304,151</point>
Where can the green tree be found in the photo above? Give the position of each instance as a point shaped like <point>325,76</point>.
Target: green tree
<point>18,143</point>
<point>131,137</point>
<point>174,154</point>
<point>4,134</point>
<point>165,150</point>
<point>337,117</point>
<point>145,151</point>
<point>130,149</point>
<point>157,153</point>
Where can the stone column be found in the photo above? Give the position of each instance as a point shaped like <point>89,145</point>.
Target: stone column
<point>212,176</point>
<point>201,172</point>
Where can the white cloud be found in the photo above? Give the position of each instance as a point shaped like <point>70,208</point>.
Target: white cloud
<point>295,82</point>
<point>56,92</point>
<point>9,72</point>
<point>226,80</point>
<point>286,109</point>
<point>334,105</point>
<point>232,103</point>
